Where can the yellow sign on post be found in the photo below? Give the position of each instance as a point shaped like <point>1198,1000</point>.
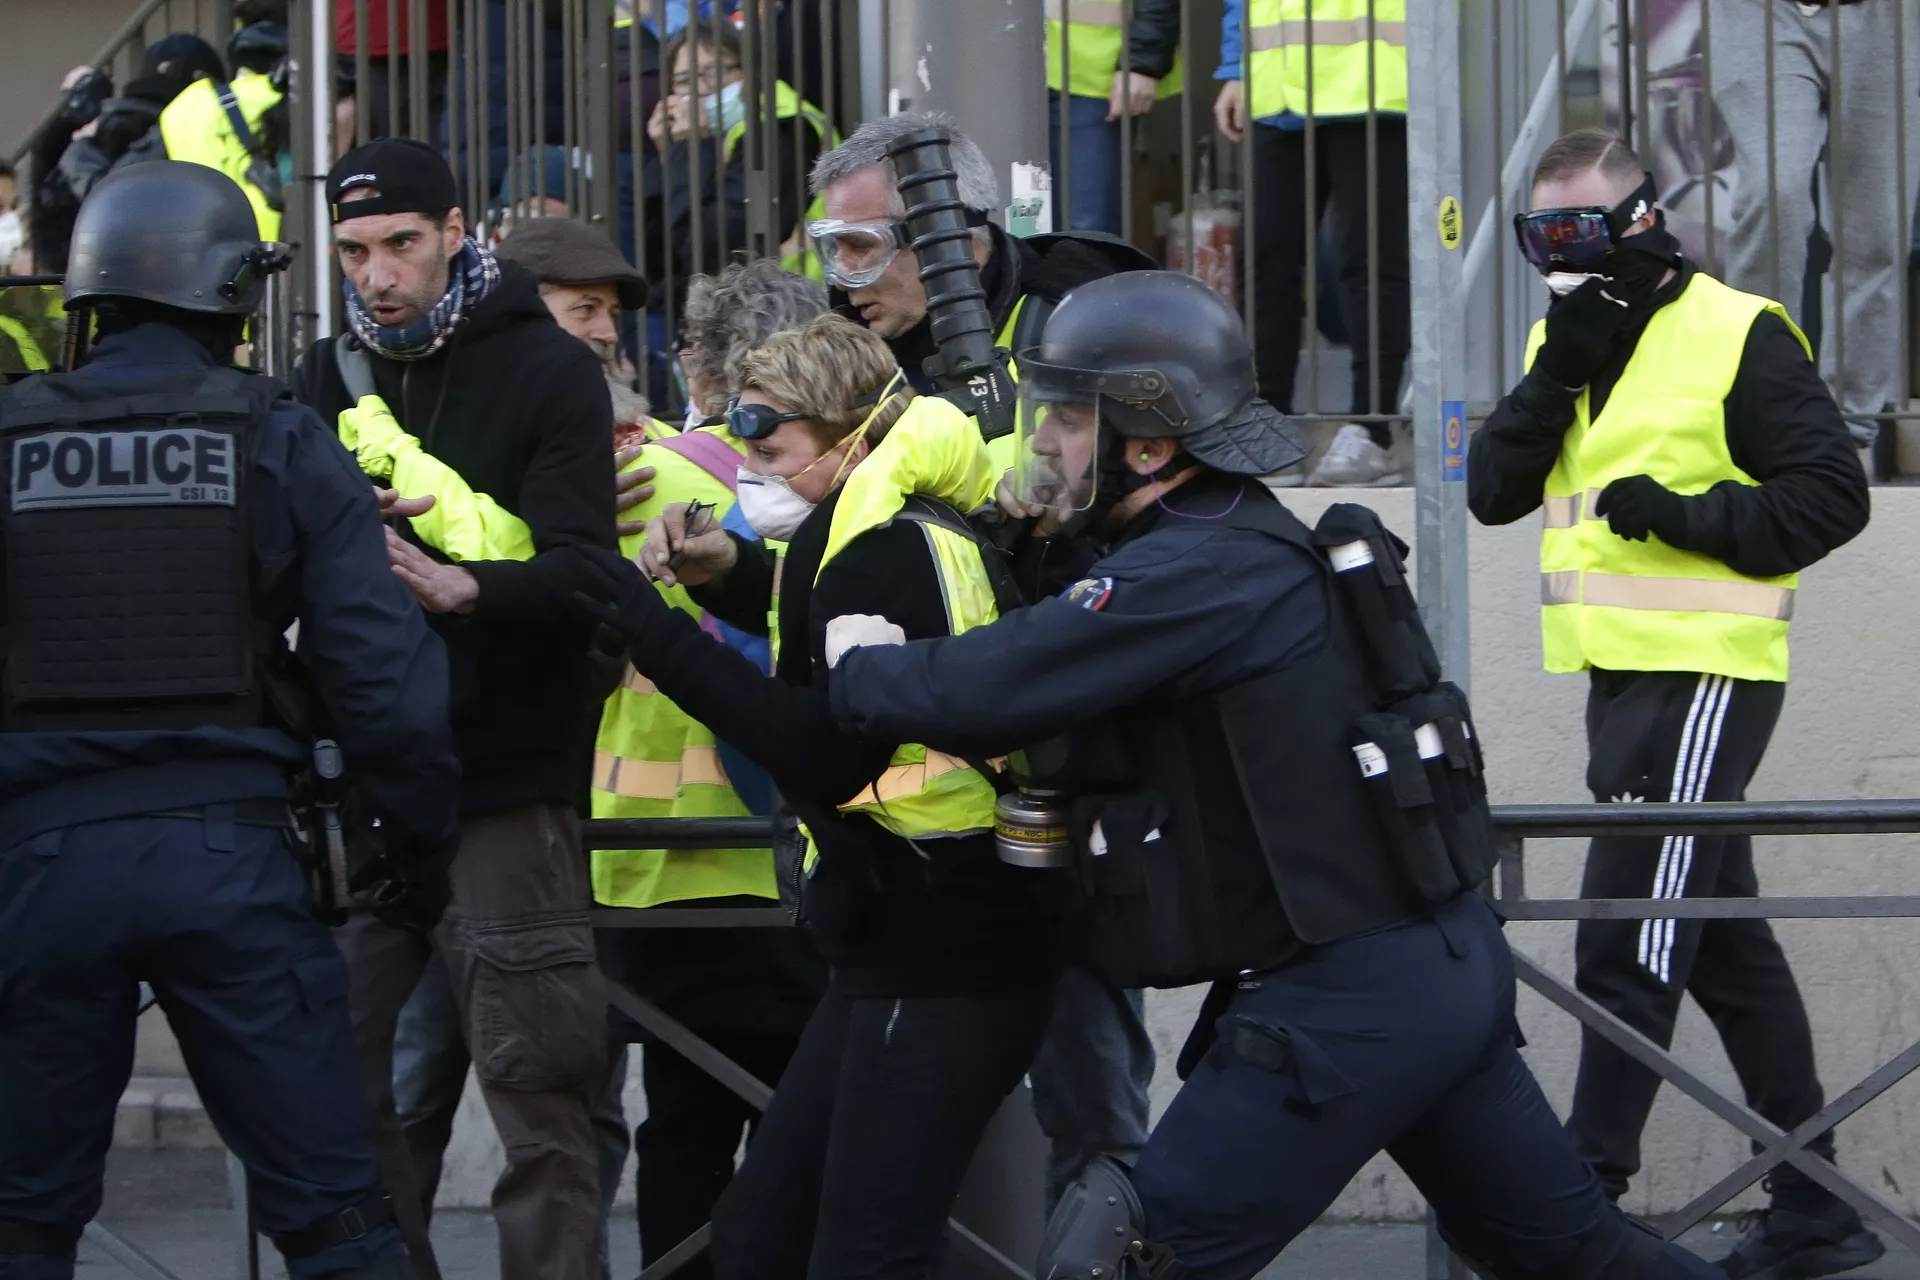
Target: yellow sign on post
<point>1450,222</point>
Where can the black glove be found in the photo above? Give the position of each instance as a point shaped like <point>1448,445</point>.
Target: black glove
<point>84,100</point>
<point>599,585</point>
<point>1639,505</point>
<point>1580,330</point>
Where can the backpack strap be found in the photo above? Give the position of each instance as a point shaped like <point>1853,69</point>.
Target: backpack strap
<point>235,117</point>
<point>355,366</point>
<point>925,510</point>
<point>708,452</point>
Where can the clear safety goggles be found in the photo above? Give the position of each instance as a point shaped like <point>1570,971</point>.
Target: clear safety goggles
<point>854,255</point>
<point>1056,460</point>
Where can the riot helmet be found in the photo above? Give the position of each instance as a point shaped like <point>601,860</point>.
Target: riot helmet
<point>171,232</point>
<point>1141,354</point>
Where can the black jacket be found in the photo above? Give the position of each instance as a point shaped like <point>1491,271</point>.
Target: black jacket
<point>893,920</point>
<point>519,408</point>
<point>1153,38</point>
<point>1783,429</point>
<point>1045,268</point>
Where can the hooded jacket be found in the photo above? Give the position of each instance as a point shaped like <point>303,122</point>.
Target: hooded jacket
<point>518,407</point>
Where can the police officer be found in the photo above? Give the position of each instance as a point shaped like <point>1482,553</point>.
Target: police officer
<point>170,516</point>
<point>1224,742</point>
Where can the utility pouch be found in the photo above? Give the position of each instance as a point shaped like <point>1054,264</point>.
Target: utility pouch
<point>1369,563</point>
<point>1450,754</point>
<point>1386,749</point>
<point>1138,909</point>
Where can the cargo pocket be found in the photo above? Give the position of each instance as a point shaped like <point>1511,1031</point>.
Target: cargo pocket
<point>1387,750</point>
<point>537,1006</point>
<point>1369,563</point>
<point>1274,1047</point>
<point>1139,919</point>
<point>1450,754</point>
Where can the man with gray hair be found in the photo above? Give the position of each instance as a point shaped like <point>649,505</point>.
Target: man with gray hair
<point>1090,1080</point>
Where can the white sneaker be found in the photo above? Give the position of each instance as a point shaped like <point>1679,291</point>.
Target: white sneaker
<point>1287,477</point>
<point>1354,461</point>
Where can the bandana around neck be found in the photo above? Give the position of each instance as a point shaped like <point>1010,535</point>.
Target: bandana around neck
<point>471,276</point>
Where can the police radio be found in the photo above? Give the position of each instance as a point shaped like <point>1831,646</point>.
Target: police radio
<point>968,369</point>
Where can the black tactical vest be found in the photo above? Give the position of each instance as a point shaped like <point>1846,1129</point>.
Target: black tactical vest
<point>128,550</point>
<point>1340,794</point>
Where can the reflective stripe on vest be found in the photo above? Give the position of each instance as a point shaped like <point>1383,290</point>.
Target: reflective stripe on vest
<point>1092,34</point>
<point>30,353</point>
<point>1294,43</point>
<point>1646,606</point>
<point>195,127</point>
<point>698,766</point>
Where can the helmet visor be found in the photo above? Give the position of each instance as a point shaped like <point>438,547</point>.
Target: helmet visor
<point>1056,461</point>
<point>854,255</point>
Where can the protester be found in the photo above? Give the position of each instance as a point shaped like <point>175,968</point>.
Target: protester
<point>470,387</point>
<point>1093,93</point>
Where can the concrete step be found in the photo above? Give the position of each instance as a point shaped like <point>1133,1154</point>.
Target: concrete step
<point>163,1113</point>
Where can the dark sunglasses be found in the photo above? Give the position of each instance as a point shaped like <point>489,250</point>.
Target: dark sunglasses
<point>1582,237</point>
<point>758,421</point>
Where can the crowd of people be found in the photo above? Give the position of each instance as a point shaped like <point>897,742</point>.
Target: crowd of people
<point>829,597</point>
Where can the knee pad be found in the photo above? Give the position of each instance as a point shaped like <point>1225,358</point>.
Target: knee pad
<point>39,1238</point>
<point>1096,1232</point>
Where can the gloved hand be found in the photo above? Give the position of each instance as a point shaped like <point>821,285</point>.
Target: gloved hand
<point>1580,329</point>
<point>1639,505</point>
<point>852,630</point>
<point>601,585</point>
<point>374,435</point>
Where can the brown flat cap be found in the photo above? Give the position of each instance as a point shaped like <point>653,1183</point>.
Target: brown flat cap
<point>563,251</point>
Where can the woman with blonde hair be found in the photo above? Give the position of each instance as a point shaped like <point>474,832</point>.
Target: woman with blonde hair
<point>943,958</point>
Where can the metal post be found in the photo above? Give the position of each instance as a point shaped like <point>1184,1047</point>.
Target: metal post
<point>602,203</point>
<point>319,248</point>
<point>1439,326</point>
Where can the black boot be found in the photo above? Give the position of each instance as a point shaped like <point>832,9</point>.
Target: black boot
<point>1806,1232</point>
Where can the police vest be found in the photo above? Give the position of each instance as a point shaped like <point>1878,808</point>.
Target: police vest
<point>933,458</point>
<point>653,760</point>
<point>221,125</point>
<point>128,554</point>
<point>1325,43</point>
<point>1091,34</point>
<point>788,105</point>
<point>1646,606</point>
<point>1348,785</point>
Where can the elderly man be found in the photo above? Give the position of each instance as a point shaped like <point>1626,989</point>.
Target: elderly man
<point>489,430</point>
<point>1090,1080</point>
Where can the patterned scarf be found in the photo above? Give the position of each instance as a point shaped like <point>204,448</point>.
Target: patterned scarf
<point>471,276</point>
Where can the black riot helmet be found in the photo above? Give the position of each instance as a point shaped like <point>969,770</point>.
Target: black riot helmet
<point>1161,354</point>
<point>175,233</point>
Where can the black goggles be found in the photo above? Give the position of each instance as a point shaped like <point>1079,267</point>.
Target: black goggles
<point>758,421</point>
<point>1580,238</point>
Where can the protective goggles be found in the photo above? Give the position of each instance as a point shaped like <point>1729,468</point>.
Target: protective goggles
<point>1580,238</point>
<point>758,421</point>
<point>854,255</point>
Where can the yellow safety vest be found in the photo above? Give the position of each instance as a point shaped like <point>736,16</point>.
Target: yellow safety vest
<point>1646,606</point>
<point>1092,33</point>
<point>30,353</point>
<point>195,127</point>
<point>787,104</point>
<point>653,760</point>
<point>1279,34</point>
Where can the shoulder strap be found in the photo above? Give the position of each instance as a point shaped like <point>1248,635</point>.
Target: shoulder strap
<point>235,117</point>
<point>924,510</point>
<point>1034,311</point>
<point>355,366</point>
<point>708,452</point>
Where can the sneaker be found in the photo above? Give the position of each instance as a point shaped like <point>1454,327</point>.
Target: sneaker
<point>1779,1244</point>
<point>1354,461</point>
<point>1286,478</point>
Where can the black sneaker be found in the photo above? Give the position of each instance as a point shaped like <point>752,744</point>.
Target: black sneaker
<point>1778,1244</point>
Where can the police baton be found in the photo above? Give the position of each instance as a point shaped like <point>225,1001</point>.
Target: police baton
<point>328,764</point>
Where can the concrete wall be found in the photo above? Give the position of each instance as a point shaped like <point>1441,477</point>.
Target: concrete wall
<point>40,40</point>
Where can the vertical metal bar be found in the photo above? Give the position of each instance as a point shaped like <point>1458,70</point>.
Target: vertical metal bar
<point>1642,113</point>
<point>1126,120</point>
<point>392,124</point>
<point>1497,69</point>
<point>455,109</point>
<point>1708,114</point>
<point>1065,192</point>
<point>886,54</point>
<point>829,88</point>
<point>362,77</point>
<point>672,304</point>
<point>1188,197</point>
<point>569,124</point>
<point>419,106</point>
<point>603,195</point>
<point>1773,176</point>
<point>1623,52</point>
<point>755,141</point>
<point>1373,223</point>
<point>1439,323</point>
<point>480,72</point>
<point>797,228</point>
<point>1902,204</point>
<point>719,157</point>
<point>1560,51</point>
<point>637,156</point>
<point>1310,192</point>
<point>514,192</point>
<point>537,49</point>
<point>1246,173</point>
<point>1836,166</point>
<point>319,159</point>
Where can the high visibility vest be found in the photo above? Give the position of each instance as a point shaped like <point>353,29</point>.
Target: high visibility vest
<point>1646,606</point>
<point>653,760</point>
<point>934,450</point>
<point>1280,33</point>
<point>195,126</point>
<point>788,104</point>
<point>30,354</point>
<point>1092,35</point>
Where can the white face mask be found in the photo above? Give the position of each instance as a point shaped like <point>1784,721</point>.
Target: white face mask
<point>12,236</point>
<point>771,506</point>
<point>1562,283</point>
